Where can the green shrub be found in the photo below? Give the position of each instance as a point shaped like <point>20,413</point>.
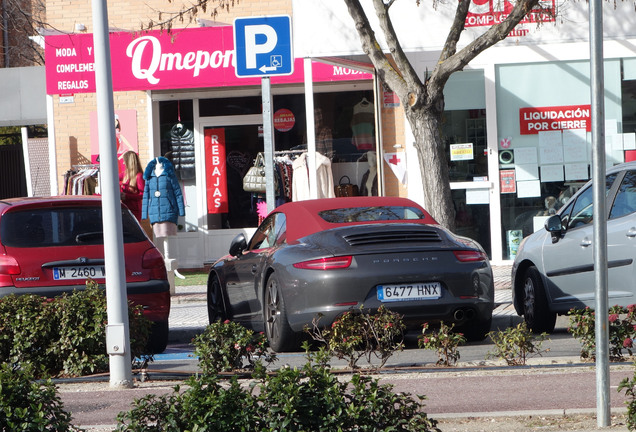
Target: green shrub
<point>224,346</point>
<point>26,405</point>
<point>65,335</point>
<point>515,344</point>
<point>309,399</point>
<point>629,385</point>
<point>621,322</point>
<point>444,341</point>
<point>359,333</point>
<point>28,325</point>
<point>204,405</point>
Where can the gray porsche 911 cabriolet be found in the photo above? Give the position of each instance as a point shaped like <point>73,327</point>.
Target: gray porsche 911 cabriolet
<point>328,256</point>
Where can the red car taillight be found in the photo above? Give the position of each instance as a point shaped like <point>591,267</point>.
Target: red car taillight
<point>325,263</point>
<point>467,256</point>
<point>8,267</point>
<point>153,260</point>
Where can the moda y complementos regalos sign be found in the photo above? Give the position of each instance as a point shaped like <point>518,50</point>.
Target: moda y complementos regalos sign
<point>186,58</point>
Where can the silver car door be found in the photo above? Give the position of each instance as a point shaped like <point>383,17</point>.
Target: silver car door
<point>569,263</point>
<point>621,243</point>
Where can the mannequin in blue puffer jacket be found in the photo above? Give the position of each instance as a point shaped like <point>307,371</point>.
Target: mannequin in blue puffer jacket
<point>162,200</point>
<point>162,204</point>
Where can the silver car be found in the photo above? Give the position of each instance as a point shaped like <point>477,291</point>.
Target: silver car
<point>553,271</point>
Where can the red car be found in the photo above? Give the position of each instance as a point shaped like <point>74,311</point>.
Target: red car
<point>51,245</point>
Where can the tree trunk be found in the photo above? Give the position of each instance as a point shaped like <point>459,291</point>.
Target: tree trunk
<point>438,201</point>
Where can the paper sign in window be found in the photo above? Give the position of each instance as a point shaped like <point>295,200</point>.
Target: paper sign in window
<point>551,173</point>
<point>552,154</point>
<point>576,171</point>
<point>527,172</point>
<point>528,189</point>
<point>526,155</point>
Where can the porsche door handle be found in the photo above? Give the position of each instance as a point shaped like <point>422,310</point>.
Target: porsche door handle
<point>586,242</point>
<point>631,232</point>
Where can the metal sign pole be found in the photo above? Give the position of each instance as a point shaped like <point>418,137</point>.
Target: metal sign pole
<point>600,218</point>
<point>268,142</point>
<point>117,334</point>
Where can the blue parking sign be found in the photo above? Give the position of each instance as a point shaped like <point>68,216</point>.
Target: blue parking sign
<point>263,46</point>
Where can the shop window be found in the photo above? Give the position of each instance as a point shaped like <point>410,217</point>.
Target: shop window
<point>345,138</point>
<point>464,135</point>
<point>230,106</point>
<point>176,132</point>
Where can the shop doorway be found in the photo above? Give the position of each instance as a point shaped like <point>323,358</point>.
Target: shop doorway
<point>237,141</point>
<point>464,133</point>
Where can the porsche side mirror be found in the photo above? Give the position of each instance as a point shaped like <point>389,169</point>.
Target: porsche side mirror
<point>238,245</point>
<point>554,226</point>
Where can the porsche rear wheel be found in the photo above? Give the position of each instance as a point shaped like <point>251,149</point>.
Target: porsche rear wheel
<point>536,312</point>
<point>279,334</point>
<point>216,309</point>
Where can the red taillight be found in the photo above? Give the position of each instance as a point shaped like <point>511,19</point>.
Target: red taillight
<point>467,256</point>
<point>8,267</point>
<point>325,263</point>
<point>153,260</point>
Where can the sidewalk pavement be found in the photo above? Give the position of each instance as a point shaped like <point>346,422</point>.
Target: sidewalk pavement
<point>189,315</point>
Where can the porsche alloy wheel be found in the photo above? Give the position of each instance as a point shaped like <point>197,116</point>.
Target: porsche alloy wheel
<point>279,334</point>
<point>536,312</point>
<point>216,311</point>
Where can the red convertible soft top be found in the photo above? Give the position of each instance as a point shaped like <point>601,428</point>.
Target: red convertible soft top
<point>303,216</point>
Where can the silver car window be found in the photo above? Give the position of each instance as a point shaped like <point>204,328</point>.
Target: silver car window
<point>625,202</point>
<point>582,210</point>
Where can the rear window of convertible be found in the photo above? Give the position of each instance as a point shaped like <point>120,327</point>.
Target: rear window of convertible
<point>367,214</point>
<point>67,226</point>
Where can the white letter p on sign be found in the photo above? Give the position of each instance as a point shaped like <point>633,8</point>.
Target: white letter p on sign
<point>252,48</point>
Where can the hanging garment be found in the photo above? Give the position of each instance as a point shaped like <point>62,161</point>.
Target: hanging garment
<point>362,125</point>
<point>300,178</point>
<point>182,149</point>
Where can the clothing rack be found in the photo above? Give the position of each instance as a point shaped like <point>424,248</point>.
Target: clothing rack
<point>85,166</point>
<point>77,180</point>
<point>287,152</point>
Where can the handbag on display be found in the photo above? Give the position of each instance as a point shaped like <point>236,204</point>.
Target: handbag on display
<point>345,188</point>
<point>254,180</point>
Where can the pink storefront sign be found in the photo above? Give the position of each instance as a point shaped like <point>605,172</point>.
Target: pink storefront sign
<point>183,59</point>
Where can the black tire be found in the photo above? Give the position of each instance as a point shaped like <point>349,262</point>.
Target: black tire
<point>279,334</point>
<point>158,339</point>
<point>477,329</point>
<point>536,312</point>
<point>216,306</point>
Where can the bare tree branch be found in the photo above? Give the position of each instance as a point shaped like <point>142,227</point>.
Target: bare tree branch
<point>187,14</point>
<point>403,64</point>
<point>447,65</point>
<point>371,47</point>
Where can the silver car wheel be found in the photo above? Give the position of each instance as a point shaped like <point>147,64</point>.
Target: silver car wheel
<point>272,311</point>
<point>279,334</point>
<point>536,310</point>
<point>529,300</point>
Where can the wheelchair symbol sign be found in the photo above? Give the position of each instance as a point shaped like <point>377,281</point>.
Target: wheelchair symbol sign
<point>263,46</point>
